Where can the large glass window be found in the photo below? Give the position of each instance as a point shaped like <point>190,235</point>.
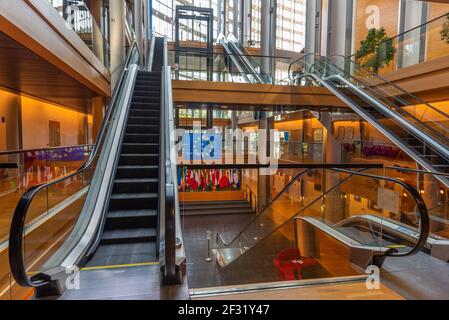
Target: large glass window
<point>290,21</point>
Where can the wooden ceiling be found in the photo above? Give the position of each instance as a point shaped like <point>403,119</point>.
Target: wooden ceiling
<point>25,72</point>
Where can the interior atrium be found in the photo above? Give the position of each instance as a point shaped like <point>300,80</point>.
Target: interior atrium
<point>224,149</point>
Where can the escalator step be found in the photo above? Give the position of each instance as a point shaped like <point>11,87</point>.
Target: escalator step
<point>143,99</point>
<point>133,201</point>
<point>144,120</point>
<point>124,253</point>
<point>135,185</point>
<point>148,93</point>
<point>145,105</point>
<point>144,113</point>
<point>141,138</point>
<point>124,219</point>
<point>133,235</point>
<point>154,129</point>
<point>138,159</point>
<point>137,172</point>
<point>145,148</point>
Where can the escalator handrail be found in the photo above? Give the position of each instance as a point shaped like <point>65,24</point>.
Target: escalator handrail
<point>168,190</point>
<point>281,193</point>
<point>372,74</point>
<point>219,238</point>
<point>422,213</point>
<point>20,213</point>
<point>418,158</point>
<point>398,117</point>
<point>369,87</point>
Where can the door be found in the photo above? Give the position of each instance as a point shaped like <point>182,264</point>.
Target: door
<point>54,134</point>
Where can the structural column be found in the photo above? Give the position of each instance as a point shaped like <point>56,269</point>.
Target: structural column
<point>117,39</point>
<point>96,8</point>
<point>412,14</point>
<point>334,207</point>
<point>268,36</point>
<point>236,18</point>
<point>220,16</point>
<point>313,28</point>
<point>138,25</point>
<point>263,184</point>
<point>245,22</point>
<point>339,33</point>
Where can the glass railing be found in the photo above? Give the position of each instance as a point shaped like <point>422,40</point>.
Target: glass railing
<point>217,67</point>
<point>434,193</point>
<point>398,112</point>
<point>326,201</point>
<point>422,43</point>
<point>67,203</point>
<point>248,62</point>
<point>79,18</point>
<point>26,168</point>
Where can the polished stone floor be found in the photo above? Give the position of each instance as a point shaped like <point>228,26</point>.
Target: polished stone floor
<point>255,266</point>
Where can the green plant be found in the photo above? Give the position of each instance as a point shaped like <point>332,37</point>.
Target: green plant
<point>376,51</point>
<point>445,31</point>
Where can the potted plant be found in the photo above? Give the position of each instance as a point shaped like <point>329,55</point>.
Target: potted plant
<point>376,51</point>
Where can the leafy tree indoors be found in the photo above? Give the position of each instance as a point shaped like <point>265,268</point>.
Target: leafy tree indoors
<point>445,31</point>
<point>376,51</point>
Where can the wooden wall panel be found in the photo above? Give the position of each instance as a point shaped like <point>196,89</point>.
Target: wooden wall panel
<point>252,94</point>
<point>388,18</point>
<point>48,37</point>
<point>436,47</point>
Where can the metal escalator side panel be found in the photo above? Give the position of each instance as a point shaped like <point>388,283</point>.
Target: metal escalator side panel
<point>415,156</point>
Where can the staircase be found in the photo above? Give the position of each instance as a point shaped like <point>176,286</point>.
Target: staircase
<point>130,230</point>
<point>216,207</point>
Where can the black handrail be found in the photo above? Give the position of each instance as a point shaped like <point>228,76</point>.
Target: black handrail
<point>18,221</point>
<point>251,194</point>
<point>422,213</point>
<point>374,75</point>
<point>167,182</point>
<point>400,110</point>
<point>308,168</point>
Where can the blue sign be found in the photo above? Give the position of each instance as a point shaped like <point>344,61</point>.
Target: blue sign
<point>202,146</point>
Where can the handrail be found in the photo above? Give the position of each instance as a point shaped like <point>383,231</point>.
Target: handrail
<point>410,152</point>
<point>422,213</point>
<point>20,213</point>
<point>168,193</point>
<point>307,169</point>
<point>397,117</point>
<point>251,193</point>
<point>374,75</point>
<point>3,153</point>
<point>418,171</point>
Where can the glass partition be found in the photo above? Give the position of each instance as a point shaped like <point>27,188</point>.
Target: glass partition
<point>33,167</point>
<point>221,67</point>
<point>352,204</point>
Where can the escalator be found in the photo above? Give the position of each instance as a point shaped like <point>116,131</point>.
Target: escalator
<point>120,207</point>
<point>239,58</point>
<point>305,219</point>
<point>130,229</point>
<point>413,125</point>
